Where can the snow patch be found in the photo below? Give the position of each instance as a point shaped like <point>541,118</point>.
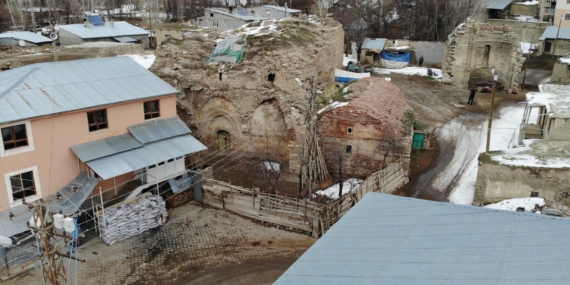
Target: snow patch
<point>513,204</point>
<point>144,60</point>
<point>347,186</point>
<point>410,70</point>
<point>333,105</point>
<point>526,47</point>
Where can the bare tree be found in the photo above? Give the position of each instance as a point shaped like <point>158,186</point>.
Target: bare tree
<point>390,142</point>
<point>336,153</point>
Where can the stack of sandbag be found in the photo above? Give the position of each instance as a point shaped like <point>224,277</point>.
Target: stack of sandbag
<point>129,220</point>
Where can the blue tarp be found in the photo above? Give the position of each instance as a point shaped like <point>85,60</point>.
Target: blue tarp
<point>404,57</point>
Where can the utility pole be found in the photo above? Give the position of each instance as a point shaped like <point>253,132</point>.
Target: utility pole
<point>530,50</point>
<point>51,237</point>
<point>495,77</point>
<point>557,33</point>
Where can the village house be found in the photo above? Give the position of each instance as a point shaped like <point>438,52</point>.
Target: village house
<point>225,20</point>
<point>366,133</point>
<point>24,39</point>
<point>371,50</point>
<point>274,12</point>
<point>499,9</point>
<point>561,71</point>
<point>378,240</point>
<point>561,14</point>
<point>547,10</point>
<point>555,40</point>
<point>84,128</point>
<point>94,29</point>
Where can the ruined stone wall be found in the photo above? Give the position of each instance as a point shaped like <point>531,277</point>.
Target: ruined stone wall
<point>560,73</point>
<point>526,10</point>
<point>499,182</point>
<point>239,98</point>
<point>527,31</point>
<point>480,47</point>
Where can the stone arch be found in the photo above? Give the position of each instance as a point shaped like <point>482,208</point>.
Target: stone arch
<point>219,114</point>
<point>268,127</point>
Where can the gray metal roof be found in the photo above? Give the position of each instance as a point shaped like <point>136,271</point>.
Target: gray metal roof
<point>388,239</point>
<point>26,36</point>
<point>289,10</point>
<point>125,39</point>
<point>106,31</point>
<point>68,203</point>
<point>239,16</point>
<point>105,147</point>
<point>376,44</point>
<point>552,32</point>
<point>43,89</point>
<point>150,154</point>
<point>155,130</point>
<point>499,5</point>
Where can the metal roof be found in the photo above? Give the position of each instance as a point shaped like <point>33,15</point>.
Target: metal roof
<point>105,147</point>
<point>150,154</point>
<point>125,39</point>
<point>376,44</point>
<point>105,31</point>
<point>499,5</point>
<point>387,239</point>
<point>239,16</point>
<point>44,89</point>
<point>68,203</point>
<point>289,10</point>
<point>155,130</point>
<point>552,32</point>
<point>26,36</point>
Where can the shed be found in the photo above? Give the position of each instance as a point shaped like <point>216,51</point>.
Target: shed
<point>225,20</point>
<point>561,71</point>
<point>371,49</point>
<point>499,9</point>
<point>387,239</point>
<point>555,40</point>
<point>94,30</point>
<point>23,39</point>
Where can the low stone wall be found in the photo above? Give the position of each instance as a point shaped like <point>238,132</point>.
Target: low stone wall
<point>560,74</point>
<point>525,10</point>
<point>499,182</point>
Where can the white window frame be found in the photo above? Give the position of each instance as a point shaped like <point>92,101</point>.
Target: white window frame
<point>215,24</point>
<point>38,195</point>
<point>17,150</point>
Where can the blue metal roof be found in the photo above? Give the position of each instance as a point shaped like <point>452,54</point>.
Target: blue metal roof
<point>44,89</point>
<point>552,32</point>
<point>499,5</point>
<point>239,16</point>
<point>155,130</point>
<point>388,239</point>
<point>289,10</point>
<point>125,39</point>
<point>105,147</point>
<point>375,44</point>
<point>26,36</point>
<point>104,31</point>
<point>150,154</point>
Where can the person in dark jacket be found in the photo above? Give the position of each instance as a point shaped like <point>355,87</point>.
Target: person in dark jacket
<point>421,60</point>
<point>471,97</point>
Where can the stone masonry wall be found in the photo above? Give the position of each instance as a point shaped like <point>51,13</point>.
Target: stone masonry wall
<point>527,31</point>
<point>481,47</point>
<point>499,182</point>
<point>526,10</point>
<point>560,73</point>
<point>225,97</point>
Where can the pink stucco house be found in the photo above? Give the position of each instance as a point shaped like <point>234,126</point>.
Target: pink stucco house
<point>81,127</point>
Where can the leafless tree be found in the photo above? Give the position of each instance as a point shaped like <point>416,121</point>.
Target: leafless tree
<point>390,142</point>
<point>337,154</point>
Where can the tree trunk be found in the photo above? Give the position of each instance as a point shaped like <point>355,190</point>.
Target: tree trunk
<point>340,182</point>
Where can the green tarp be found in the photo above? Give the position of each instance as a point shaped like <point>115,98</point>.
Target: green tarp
<point>229,50</point>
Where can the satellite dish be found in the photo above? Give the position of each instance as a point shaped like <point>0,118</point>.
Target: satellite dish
<point>21,43</point>
<point>53,36</point>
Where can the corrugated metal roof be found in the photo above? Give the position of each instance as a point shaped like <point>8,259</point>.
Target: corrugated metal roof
<point>155,130</point>
<point>125,39</point>
<point>106,31</point>
<point>43,89</point>
<point>376,44</point>
<point>242,17</point>
<point>26,36</point>
<point>105,147</point>
<point>68,203</point>
<point>150,154</point>
<point>289,10</point>
<point>551,32</point>
<point>387,239</point>
<point>499,5</point>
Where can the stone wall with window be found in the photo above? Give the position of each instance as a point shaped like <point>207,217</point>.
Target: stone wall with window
<point>561,72</point>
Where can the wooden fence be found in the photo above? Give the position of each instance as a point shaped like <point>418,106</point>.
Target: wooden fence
<point>300,214</point>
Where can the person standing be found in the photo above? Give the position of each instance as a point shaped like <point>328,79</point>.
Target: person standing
<point>421,60</point>
<point>471,97</point>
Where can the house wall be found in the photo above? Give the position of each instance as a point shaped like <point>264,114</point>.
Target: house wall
<point>558,47</point>
<point>527,31</point>
<point>14,42</point>
<point>560,74</point>
<point>52,137</point>
<point>546,11</point>
<point>562,7</point>
<point>270,13</point>
<point>559,130</point>
<point>525,10</point>
<point>499,182</point>
<point>67,38</point>
<point>225,23</point>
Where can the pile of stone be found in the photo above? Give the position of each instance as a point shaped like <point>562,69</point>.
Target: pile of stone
<point>129,220</point>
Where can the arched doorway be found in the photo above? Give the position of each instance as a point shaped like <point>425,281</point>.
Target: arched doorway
<point>486,54</point>
<point>224,139</point>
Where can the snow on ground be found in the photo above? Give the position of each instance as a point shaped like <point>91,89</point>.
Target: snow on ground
<point>565,60</point>
<point>345,89</point>
<point>526,47</point>
<point>533,154</point>
<point>347,58</point>
<point>526,18</point>
<point>347,186</point>
<point>513,204</point>
<point>255,29</point>
<point>533,2</point>
<point>332,106</point>
<point>410,70</point>
<point>272,166</point>
<point>144,60</point>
